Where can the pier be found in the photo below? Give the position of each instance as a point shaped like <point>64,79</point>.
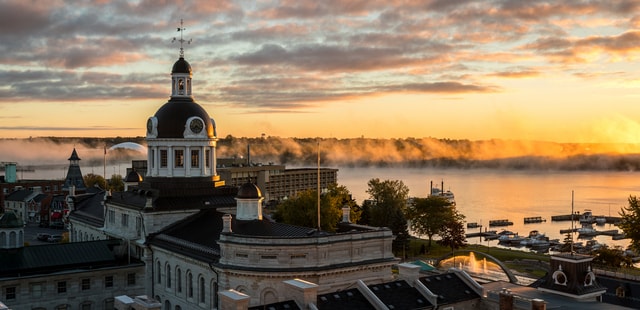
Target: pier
<point>576,217</point>
<point>534,219</point>
<point>500,223</point>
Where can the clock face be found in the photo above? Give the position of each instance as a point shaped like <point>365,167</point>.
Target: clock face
<point>196,125</point>
<point>149,125</point>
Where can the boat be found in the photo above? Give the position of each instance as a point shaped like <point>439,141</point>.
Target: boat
<point>601,220</point>
<point>587,217</point>
<point>511,239</point>
<point>535,238</point>
<point>440,192</point>
<point>586,230</point>
<point>504,222</point>
<point>494,235</point>
<point>534,219</point>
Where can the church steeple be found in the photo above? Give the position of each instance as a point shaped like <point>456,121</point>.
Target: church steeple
<point>74,177</point>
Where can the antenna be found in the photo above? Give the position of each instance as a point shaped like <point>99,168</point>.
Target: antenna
<point>181,29</point>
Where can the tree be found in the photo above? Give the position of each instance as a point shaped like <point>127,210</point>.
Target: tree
<point>612,257</point>
<point>428,215</point>
<point>387,208</point>
<point>452,232</point>
<point>302,208</point>
<point>116,183</point>
<point>91,180</point>
<point>630,222</point>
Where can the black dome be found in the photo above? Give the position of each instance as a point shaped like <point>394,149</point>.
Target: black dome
<point>181,66</point>
<point>133,176</point>
<point>173,115</point>
<point>249,191</point>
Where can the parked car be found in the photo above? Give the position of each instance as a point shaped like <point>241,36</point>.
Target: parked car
<point>55,238</point>
<point>43,237</point>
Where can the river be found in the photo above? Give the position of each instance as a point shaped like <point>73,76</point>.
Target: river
<point>484,194</point>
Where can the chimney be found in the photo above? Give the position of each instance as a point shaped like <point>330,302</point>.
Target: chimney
<point>233,300</point>
<point>226,223</point>
<point>408,272</point>
<point>304,293</point>
<point>346,214</point>
<point>506,300</point>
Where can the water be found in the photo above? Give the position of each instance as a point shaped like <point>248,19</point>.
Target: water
<point>483,194</point>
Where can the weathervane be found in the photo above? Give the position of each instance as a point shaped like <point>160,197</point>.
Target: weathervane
<point>181,29</point>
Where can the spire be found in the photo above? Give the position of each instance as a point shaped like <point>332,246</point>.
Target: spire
<point>181,29</point>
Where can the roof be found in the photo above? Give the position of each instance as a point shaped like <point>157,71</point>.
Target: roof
<point>449,288</point>
<point>172,118</point>
<point>351,299</point>
<point>19,195</point>
<point>88,208</point>
<point>74,155</point>
<point>283,305</point>
<point>181,66</point>
<point>51,258</point>
<point>133,176</point>
<point>10,220</point>
<point>249,191</point>
<point>400,295</point>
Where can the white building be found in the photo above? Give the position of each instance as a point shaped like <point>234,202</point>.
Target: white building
<point>197,236</point>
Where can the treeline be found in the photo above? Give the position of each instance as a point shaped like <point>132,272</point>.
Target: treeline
<point>407,152</point>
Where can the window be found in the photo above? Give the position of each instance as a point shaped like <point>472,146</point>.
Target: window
<point>168,276</point>
<point>125,220</point>
<point>10,293</point>
<point>179,280</point>
<point>202,289</point>
<point>85,305</point>
<point>36,290</point>
<point>138,226</point>
<point>62,287</point>
<point>131,279</point>
<point>108,281</point>
<point>206,158</point>
<point>179,158</point>
<point>86,284</point>
<point>189,284</point>
<point>158,271</point>
<point>112,216</point>
<point>195,158</point>
<point>163,158</point>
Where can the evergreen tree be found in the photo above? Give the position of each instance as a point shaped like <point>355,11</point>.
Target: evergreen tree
<point>630,222</point>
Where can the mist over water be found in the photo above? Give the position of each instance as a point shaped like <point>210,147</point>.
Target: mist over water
<point>491,179</point>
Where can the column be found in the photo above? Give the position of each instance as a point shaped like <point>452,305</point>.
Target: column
<point>170,161</point>
<point>187,161</point>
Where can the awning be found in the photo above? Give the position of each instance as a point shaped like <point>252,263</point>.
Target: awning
<point>56,215</point>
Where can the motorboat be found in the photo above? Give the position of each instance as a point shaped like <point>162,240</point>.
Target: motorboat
<point>586,230</point>
<point>511,239</point>
<point>535,239</point>
<point>587,217</point>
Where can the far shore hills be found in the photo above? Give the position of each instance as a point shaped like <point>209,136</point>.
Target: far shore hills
<point>357,152</point>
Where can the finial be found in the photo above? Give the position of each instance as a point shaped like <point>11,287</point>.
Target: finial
<point>181,29</point>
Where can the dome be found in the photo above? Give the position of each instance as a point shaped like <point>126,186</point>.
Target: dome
<point>10,220</point>
<point>181,66</point>
<point>249,191</point>
<point>172,118</point>
<point>133,176</point>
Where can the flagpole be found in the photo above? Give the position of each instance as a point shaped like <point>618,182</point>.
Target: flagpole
<point>319,185</point>
<point>104,167</point>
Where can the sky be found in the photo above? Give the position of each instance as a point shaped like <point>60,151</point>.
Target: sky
<point>561,71</point>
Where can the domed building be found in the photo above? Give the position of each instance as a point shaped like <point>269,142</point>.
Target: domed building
<point>199,237</point>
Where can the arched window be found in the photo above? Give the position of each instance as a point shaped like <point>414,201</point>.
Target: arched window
<point>12,239</point>
<point>202,291</point>
<point>179,279</point>
<point>167,305</point>
<point>168,276</point>
<point>189,284</point>
<point>158,271</point>
<point>214,294</point>
<point>3,239</point>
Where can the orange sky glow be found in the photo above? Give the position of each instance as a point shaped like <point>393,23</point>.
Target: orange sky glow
<point>561,71</point>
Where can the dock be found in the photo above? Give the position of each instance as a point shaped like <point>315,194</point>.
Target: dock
<point>534,219</point>
<point>500,223</point>
<point>568,217</point>
<point>474,225</point>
